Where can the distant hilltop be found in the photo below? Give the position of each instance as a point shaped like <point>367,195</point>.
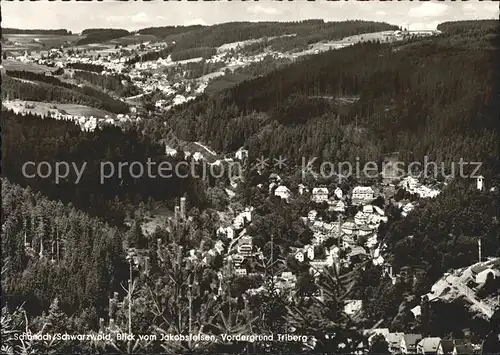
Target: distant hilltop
<point>11,31</point>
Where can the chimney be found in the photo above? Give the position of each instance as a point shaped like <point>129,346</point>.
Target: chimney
<point>158,244</point>
<point>101,324</point>
<point>183,208</point>
<point>57,248</point>
<point>176,213</point>
<point>26,244</point>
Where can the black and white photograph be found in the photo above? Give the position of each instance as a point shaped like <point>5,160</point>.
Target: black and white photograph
<point>250,177</point>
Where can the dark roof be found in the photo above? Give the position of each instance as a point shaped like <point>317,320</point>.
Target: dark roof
<point>447,345</point>
<point>478,268</point>
<point>464,349</point>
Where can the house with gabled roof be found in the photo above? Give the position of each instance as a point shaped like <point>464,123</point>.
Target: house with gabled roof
<point>428,346</point>
<point>409,343</point>
<point>319,194</point>
<point>394,341</point>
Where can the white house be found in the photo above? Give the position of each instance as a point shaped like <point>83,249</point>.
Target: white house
<point>407,209</point>
<point>409,183</point>
<point>309,252</point>
<point>240,271</point>
<point>349,228</point>
<point>428,345</point>
<point>227,232</point>
<point>302,189</point>
<point>338,193</point>
<point>338,206</point>
<point>368,209</point>
<point>352,307</point>
<point>409,343</point>
<point>482,276</point>
<point>360,218</point>
<point>197,156</point>
<point>394,341</point>
<point>241,154</point>
<point>362,194</point>
<point>480,183</point>
<point>283,192</point>
<point>245,246</point>
<point>319,194</point>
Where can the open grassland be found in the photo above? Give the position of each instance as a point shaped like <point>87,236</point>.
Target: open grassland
<point>9,64</point>
<point>35,42</point>
<point>133,39</point>
<point>42,108</point>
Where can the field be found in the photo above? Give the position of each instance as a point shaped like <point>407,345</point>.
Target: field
<point>134,39</point>
<point>42,108</point>
<point>17,65</point>
<point>34,42</point>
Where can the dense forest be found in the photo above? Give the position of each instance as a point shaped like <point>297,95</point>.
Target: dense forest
<point>204,52</point>
<point>62,32</point>
<point>88,254</point>
<point>73,286</point>
<point>30,138</point>
<point>98,35</point>
<point>86,66</point>
<point>47,88</point>
<point>465,27</point>
<point>445,231</point>
<point>348,106</point>
<point>243,73</point>
<point>117,83</point>
<point>215,36</point>
<point>165,31</point>
<point>194,70</point>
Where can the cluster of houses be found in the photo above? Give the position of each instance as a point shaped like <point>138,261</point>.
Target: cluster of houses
<point>413,186</point>
<point>364,224</point>
<point>401,343</point>
<point>86,123</point>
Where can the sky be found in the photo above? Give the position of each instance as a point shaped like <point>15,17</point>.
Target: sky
<point>133,15</point>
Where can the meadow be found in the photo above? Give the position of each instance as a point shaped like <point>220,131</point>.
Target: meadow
<point>35,42</point>
<point>9,64</point>
<point>42,108</point>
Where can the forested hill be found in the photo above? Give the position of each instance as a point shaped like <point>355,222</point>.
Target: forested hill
<point>28,138</point>
<point>458,27</point>
<point>411,100</point>
<point>39,87</point>
<point>97,35</point>
<point>61,32</point>
<point>309,31</point>
<point>87,254</point>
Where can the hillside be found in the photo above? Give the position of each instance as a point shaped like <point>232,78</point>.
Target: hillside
<point>27,138</point>
<point>411,89</point>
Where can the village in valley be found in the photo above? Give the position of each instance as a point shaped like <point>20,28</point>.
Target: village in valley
<point>387,263</point>
<point>343,238</point>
